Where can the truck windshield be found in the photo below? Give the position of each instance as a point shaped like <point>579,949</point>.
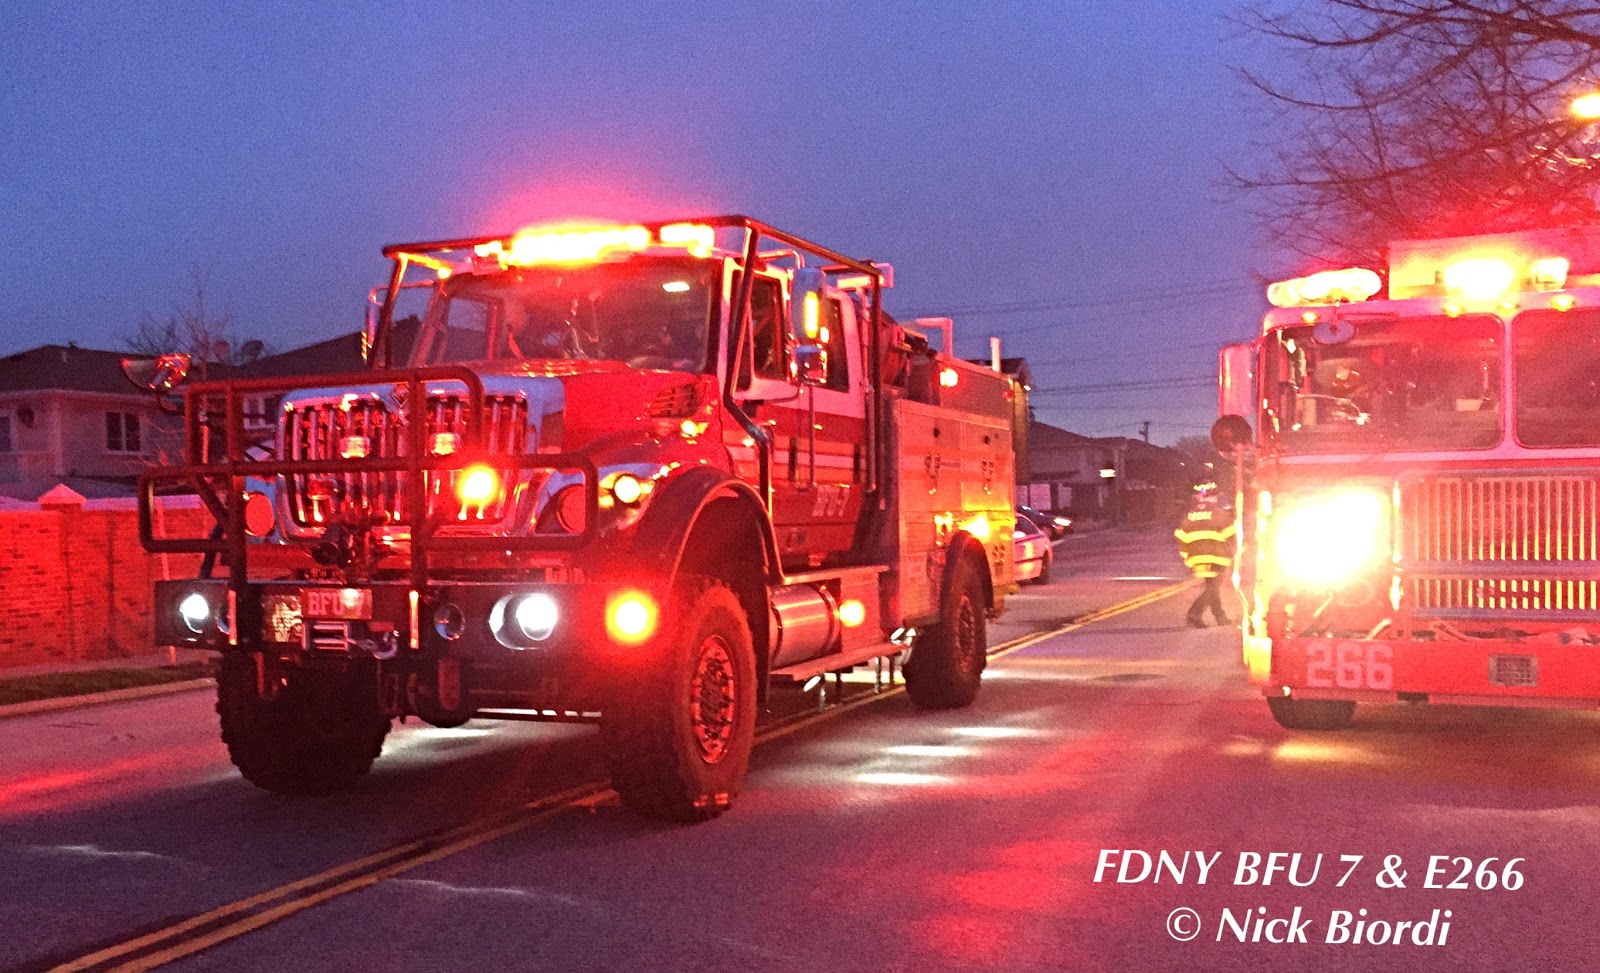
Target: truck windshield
<point>646,312</point>
<point>1416,384</point>
<point>1555,357</point>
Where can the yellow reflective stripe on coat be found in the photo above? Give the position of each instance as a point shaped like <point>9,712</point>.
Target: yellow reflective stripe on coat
<point>1219,560</point>
<point>1190,536</point>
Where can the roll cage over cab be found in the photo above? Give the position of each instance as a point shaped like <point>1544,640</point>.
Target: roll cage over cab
<point>634,475</point>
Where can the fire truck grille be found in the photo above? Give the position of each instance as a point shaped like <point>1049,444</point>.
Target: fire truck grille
<point>360,427</point>
<point>1514,547</point>
<point>1506,596</point>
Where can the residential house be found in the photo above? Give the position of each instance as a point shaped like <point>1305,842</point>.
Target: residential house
<point>1105,479</point>
<point>67,415</point>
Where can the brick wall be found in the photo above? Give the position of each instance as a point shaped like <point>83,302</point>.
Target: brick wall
<point>76,586</point>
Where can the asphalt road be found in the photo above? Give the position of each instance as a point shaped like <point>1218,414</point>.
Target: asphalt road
<point>879,838</point>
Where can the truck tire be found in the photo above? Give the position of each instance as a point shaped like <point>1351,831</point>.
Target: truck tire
<point>678,739</point>
<point>320,734</point>
<point>947,659</point>
<point>1311,714</point>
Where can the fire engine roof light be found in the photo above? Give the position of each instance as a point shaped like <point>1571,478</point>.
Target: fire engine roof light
<point>1586,107</point>
<point>697,238</point>
<point>1550,273</point>
<point>574,246</point>
<point>1325,287</point>
<point>1479,279</point>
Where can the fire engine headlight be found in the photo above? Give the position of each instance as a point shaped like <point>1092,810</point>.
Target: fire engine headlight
<point>194,610</point>
<point>1328,539</point>
<point>536,616</point>
<point>518,621</point>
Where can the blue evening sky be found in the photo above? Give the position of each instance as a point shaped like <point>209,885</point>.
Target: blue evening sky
<point>1049,170</point>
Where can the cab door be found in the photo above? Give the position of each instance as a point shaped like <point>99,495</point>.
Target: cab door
<point>829,455</point>
<point>817,432</point>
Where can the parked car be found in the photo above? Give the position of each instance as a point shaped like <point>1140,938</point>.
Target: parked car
<point>1055,525</point>
<point>1031,551</point>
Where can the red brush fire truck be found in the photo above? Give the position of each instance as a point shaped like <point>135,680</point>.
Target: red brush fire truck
<point>1420,500</point>
<point>632,475</point>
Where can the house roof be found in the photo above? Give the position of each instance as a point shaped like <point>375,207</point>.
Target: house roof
<point>341,354</point>
<point>1043,435</point>
<point>65,367</point>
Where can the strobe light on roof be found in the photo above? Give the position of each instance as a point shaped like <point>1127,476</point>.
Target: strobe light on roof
<point>537,247</point>
<point>1325,287</point>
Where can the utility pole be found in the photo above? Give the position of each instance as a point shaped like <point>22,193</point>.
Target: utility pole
<point>1144,430</point>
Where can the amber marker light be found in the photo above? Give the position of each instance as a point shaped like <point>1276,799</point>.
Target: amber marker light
<point>1563,302</point>
<point>631,617</point>
<point>478,485</point>
<point>852,613</point>
<point>949,377</point>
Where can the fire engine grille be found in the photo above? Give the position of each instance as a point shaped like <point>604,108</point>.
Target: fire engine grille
<point>314,431</point>
<point>1507,595</point>
<point>1513,546</point>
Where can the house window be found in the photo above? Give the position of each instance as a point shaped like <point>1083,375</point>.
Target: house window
<point>122,433</point>
<point>5,435</point>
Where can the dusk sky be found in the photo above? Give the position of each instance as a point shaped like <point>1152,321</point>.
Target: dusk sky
<point>1050,172</point>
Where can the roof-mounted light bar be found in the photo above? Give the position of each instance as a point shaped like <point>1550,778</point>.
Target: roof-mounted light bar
<point>1325,287</point>
<point>588,244</point>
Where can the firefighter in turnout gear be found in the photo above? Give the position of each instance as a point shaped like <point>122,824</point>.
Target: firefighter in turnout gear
<point>1206,542</point>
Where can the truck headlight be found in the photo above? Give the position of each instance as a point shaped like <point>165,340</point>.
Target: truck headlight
<point>1326,539</point>
<point>194,610</point>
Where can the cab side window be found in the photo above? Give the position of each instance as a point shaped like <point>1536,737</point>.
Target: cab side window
<point>833,338</point>
<point>766,330</point>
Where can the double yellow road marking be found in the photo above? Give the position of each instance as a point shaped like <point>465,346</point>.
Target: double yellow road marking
<point>190,936</point>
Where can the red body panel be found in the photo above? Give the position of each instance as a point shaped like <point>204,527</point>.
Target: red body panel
<point>1378,671</point>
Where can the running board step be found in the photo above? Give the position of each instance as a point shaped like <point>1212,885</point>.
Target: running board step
<point>801,671</point>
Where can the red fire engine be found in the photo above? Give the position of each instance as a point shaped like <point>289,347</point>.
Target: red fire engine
<point>1420,497</point>
<point>632,475</point>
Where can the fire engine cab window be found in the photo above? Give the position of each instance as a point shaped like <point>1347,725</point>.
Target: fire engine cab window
<point>1556,370</point>
<point>1425,383</point>
<point>651,313</point>
<point>766,330</point>
<point>833,334</point>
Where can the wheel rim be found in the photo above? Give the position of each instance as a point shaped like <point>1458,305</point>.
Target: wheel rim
<point>713,699</point>
<point>968,651</point>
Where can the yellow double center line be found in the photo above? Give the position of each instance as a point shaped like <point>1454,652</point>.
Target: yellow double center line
<point>235,919</point>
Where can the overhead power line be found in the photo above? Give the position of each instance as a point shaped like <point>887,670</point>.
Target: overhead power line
<point>1141,296</point>
<point>1137,385</point>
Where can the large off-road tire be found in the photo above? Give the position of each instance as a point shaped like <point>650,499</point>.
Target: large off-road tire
<point>947,659</point>
<point>320,734</point>
<point>1311,714</point>
<point>679,735</point>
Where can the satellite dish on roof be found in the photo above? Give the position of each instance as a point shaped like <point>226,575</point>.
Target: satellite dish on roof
<point>1334,332</point>
<point>251,350</point>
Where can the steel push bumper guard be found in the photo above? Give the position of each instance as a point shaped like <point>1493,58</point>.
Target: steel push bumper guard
<point>221,486</point>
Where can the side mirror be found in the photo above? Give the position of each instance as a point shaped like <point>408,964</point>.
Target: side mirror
<point>811,364</point>
<point>161,374</point>
<point>1229,432</point>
